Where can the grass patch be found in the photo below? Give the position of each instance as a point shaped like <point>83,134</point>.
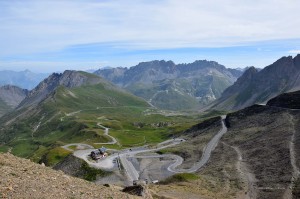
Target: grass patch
<point>91,174</point>
<point>24,148</point>
<point>4,149</point>
<point>56,155</point>
<point>180,177</point>
<point>38,154</point>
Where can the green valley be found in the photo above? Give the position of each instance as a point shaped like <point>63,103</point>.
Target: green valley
<point>71,115</point>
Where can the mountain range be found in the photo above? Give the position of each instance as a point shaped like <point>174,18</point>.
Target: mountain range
<point>167,85</point>
<point>258,156</point>
<point>23,79</point>
<point>258,86</point>
<point>45,116</point>
<point>10,97</point>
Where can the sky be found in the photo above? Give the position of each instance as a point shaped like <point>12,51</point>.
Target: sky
<point>47,36</point>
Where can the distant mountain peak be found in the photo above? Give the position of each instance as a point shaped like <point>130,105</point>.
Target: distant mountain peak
<point>71,78</point>
<point>23,79</point>
<point>283,60</point>
<point>157,62</point>
<point>258,86</point>
<point>174,86</point>
<point>205,61</point>
<point>249,73</point>
<point>10,97</point>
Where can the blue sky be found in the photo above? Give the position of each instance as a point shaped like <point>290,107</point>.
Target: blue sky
<point>47,36</point>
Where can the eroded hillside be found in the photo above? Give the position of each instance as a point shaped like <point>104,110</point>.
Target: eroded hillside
<point>257,158</point>
<point>21,178</point>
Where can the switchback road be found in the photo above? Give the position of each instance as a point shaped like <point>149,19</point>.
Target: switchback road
<point>132,173</point>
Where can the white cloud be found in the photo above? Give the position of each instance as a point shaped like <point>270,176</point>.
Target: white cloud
<point>294,51</point>
<point>39,26</point>
<point>50,66</point>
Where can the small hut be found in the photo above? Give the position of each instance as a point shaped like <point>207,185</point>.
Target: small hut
<point>99,153</point>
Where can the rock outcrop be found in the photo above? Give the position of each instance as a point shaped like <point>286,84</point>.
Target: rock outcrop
<point>138,190</point>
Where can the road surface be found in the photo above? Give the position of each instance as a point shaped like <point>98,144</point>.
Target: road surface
<point>87,146</point>
<point>132,173</point>
<point>106,131</point>
<point>211,145</point>
<point>205,156</point>
<point>79,146</point>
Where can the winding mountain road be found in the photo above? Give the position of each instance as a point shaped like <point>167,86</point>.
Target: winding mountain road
<point>106,130</point>
<point>132,173</point>
<point>87,146</point>
<point>78,145</point>
<point>211,145</point>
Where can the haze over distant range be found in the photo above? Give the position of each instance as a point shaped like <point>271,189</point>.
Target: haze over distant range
<point>47,36</point>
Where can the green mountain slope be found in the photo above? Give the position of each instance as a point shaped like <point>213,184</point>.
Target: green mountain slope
<point>4,108</point>
<point>70,114</point>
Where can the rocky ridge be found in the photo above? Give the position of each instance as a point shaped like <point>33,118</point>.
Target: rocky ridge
<point>174,86</point>
<point>68,79</point>
<point>256,86</point>
<point>286,100</point>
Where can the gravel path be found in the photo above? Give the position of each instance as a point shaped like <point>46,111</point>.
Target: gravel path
<point>245,174</point>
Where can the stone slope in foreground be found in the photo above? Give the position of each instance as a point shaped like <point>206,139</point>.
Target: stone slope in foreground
<point>21,178</point>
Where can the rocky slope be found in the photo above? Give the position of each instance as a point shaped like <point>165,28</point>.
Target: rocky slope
<point>286,100</point>
<point>169,86</point>
<point>256,86</point>
<point>21,178</point>
<point>258,157</point>
<point>10,97</point>
<point>267,141</point>
<point>24,79</point>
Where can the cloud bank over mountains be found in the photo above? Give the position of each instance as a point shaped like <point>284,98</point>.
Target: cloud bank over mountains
<point>37,27</point>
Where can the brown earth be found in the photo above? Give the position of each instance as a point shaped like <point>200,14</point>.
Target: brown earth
<point>218,179</point>
<point>268,141</point>
<point>196,139</point>
<point>257,158</point>
<point>21,178</point>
